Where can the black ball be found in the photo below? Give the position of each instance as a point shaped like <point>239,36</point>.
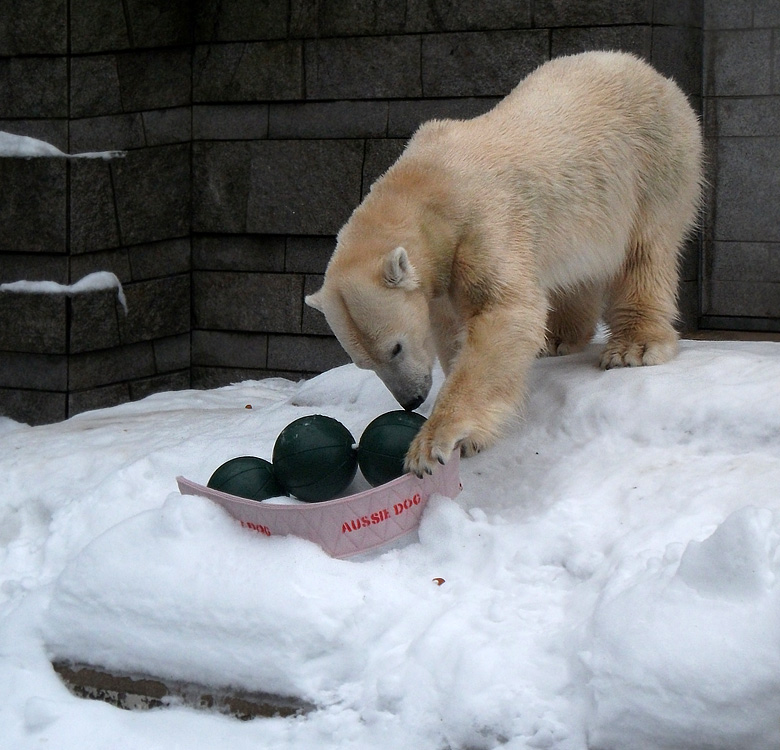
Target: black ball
<point>314,458</point>
<point>384,444</point>
<point>246,476</point>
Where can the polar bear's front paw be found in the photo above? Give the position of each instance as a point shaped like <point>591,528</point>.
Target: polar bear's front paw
<point>424,454</point>
<point>433,446</point>
<point>636,354</point>
<point>430,448</point>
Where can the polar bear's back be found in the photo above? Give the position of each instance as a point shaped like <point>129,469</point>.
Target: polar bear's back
<point>586,143</point>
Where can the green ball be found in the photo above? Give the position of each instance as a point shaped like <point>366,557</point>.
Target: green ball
<point>246,476</point>
<point>384,445</point>
<point>314,458</point>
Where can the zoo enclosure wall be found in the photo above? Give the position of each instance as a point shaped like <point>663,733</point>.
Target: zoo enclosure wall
<point>253,128</point>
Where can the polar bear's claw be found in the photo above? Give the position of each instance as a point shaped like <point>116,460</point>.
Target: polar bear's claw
<point>635,354</point>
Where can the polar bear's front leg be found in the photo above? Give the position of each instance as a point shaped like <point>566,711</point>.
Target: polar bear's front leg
<point>484,389</point>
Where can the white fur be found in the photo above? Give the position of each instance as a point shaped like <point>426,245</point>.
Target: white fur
<point>496,238</point>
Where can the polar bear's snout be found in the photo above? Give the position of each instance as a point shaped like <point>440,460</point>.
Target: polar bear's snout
<point>409,393</point>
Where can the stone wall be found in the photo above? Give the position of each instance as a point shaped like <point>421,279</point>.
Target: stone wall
<point>96,76</point>
<point>741,268</point>
<point>252,129</point>
<point>296,114</point>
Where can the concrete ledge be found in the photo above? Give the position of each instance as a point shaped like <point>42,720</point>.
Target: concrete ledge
<point>144,692</point>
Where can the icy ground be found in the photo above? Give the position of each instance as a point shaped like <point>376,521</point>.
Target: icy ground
<point>611,573</point>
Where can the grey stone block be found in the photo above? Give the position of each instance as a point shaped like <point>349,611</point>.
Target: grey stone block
<point>592,12</point>
<point>116,365</point>
<point>766,13</point>
<point>303,187</point>
<point>751,116</point>
<point>152,196</point>
<point>227,301</point>
<point>93,220</point>
<point>229,349</point>
<point>776,66</point>
<point>159,23</point>
<point>32,205</point>
<point>466,15</point>
<point>305,353</point>
<point>33,27</point>
<point>101,397</point>
<point>33,407</point>
<point>114,261</point>
<point>33,267</point>
<point>406,116</point>
<point>34,86</point>
<point>154,79</point>
<point>747,184</point>
<point>40,372</point>
<point>157,308</point>
<point>107,133</point>
<point>228,122</point>
<point>308,254</point>
<point>94,86</point>
<point>160,259</point>
<point>635,39</point>
<point>380,156</point>
<point>744,298</point>
<point>239,253</point>
<point>98,26</point>
<point>363,67</point>
<point>51,131</point>
<point>130,82</point>
<point>328,120</point>
<point>326,18</point>
<point>172,353</point>
<point>688,306</point>
<point>115,25</point>
<point>165,126</point>
<point>239,20</point>
<point>93,321</point>
<point>677,53</point>
<point>247,72</point>
<point>487,63</point>
<point>726,14</point>
<point>737,63</point>
<point>33,322</point>
<point>745,261</point>
<point>679,12</point>
<point>220,186</point>
<point>173,381</point>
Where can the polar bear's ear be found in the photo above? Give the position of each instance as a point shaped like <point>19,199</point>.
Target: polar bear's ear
<point>399,271</point>
<point>314,300</point>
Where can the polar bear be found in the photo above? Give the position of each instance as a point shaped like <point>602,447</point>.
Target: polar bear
<point>495,239</point>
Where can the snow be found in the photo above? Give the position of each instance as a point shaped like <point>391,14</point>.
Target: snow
<point>96,281</point>
<point>22,146</point>
<point>610,572</point>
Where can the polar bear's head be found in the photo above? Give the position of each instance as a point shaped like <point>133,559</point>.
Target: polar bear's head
<point>380,315</point>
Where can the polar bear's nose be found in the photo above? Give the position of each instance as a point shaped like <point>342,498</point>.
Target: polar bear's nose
<point>413,403</point>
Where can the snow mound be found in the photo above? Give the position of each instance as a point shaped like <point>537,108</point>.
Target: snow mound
<point>692,643</point>
<point>607,579</point>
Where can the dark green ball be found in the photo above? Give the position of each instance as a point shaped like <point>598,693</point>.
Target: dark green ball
<point>384,444</point>
<point>314,458</point>
<point>247,476</point>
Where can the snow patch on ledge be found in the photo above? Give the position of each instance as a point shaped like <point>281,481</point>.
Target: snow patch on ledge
<point>29,148</point>
<point>93,282</point>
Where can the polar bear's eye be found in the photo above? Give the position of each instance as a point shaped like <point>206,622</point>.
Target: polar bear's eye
<point>396,350</point>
